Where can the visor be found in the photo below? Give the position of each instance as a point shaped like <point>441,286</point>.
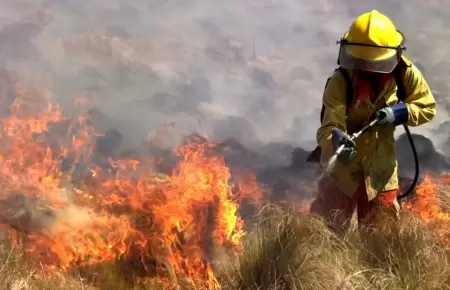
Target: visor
<point>348,61</point>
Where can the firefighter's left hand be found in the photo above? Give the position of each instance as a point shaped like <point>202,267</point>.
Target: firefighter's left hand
<point>348,154</point>
<point>392,116</point>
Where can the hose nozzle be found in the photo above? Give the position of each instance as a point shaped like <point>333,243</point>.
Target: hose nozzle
<point>339,150</point>
<point>354,136</point>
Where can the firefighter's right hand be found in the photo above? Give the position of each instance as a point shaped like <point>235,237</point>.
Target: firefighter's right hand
<point>348,154</point>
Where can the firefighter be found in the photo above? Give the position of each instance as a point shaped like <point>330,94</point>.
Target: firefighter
<point>365,174</point>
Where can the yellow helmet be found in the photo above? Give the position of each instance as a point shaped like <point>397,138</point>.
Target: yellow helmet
<point>372,43</point>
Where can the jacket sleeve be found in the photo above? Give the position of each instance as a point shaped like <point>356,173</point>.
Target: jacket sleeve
<point>334,102</point>
<point>420,102</point>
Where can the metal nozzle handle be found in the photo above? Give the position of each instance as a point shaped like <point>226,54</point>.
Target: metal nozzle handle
<point>357,134</point>
<point>364,129</point>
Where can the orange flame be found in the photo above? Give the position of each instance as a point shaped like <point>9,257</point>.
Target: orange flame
<point>176,220</point>
<point>428,206</point>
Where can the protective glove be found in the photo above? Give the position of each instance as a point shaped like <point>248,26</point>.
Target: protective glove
<point>392,116</point>
<point>348,154</point>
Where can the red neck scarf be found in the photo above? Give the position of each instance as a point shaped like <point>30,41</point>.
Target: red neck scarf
<point>370,86</point>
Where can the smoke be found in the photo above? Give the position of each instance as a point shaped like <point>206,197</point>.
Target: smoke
<point>207,66</point>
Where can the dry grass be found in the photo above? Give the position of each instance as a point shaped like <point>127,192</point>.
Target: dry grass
<point>443,192</point>
<point>289,252</point>
<point>285,251</point>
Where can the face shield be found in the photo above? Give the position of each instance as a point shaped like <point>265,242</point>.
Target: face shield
<point>367,57</point>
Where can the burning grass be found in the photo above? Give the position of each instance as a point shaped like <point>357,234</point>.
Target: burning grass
<point>72,222</point>
<point>285,251</point>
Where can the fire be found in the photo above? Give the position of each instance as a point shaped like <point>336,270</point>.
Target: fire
<point>428,204</point>
<point>80,213</point>
<point>185,214</point>
<point>169,223</point>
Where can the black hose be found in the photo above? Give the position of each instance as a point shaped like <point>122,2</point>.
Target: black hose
<point>416,165</point>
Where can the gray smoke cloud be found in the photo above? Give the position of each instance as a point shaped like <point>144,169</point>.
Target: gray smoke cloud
<point>251,69</point>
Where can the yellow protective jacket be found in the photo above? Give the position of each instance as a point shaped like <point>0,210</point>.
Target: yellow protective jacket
<point>376,162</point>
